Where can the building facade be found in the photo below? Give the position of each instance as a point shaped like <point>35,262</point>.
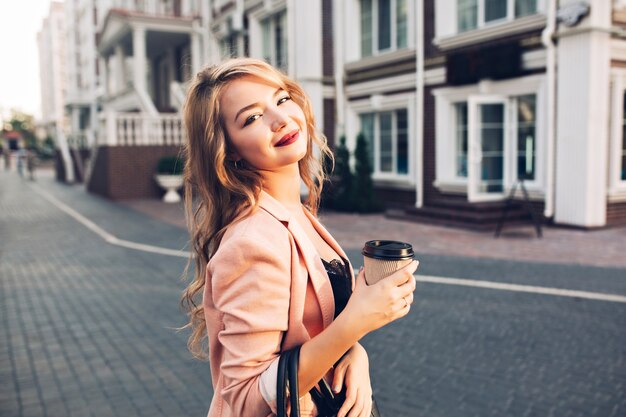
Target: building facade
<point>52,69</point>
<point>459,100</point>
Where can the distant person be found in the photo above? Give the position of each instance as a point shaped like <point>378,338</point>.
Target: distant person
<point>270,275</point>
<point>6,155</point>
<point>31,163</point>
<point>21,159</point>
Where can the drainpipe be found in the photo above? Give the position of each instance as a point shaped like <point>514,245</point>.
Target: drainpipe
<point>547,40</point>
<point>419,129</point>
<point>338,42</point>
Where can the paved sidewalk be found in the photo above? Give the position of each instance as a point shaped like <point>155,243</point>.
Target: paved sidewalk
<point>86,327</point>
<point>605,247</point>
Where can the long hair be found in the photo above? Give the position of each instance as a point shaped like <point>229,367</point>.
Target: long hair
<point>216,192</point>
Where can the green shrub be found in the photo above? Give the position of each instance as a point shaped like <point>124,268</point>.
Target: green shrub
<point>170,165</point>
<point>342,178</point>
<point>363,199</point>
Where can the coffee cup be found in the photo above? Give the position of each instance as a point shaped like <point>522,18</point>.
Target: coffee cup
<point>382,258</point>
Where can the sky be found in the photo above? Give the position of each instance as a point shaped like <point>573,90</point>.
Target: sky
<point>19,65</point>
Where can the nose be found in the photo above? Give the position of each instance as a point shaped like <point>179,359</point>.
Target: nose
<point>278,121</point>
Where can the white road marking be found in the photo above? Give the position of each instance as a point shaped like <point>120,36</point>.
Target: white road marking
<point>522,288</point>
<point>109,238</point>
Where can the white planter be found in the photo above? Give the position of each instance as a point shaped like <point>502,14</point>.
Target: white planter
<point>171,183</point>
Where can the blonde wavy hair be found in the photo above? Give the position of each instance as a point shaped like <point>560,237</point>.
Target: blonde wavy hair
<point>216,192</point>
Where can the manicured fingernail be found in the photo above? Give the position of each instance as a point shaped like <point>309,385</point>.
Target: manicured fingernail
<point>336,389</point>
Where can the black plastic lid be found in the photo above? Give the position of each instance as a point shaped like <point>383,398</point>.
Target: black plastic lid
<point>387,249</point>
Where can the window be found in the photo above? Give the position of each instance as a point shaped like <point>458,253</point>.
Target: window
<point>388,138</point>
<point>384,26</point>
<point>461,139</point>
<point>228,46</point>
<point>526,142</point>
<point>472,14</point>
<point>492,120</point>
<point>274,30</point>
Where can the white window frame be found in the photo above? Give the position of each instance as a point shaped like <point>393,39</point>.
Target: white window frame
<point>617,186</point>
<point>447,35</point>
<point>255,29</point>
<point>378,104</point>
<point>446,179</point>
<point>354,41</point>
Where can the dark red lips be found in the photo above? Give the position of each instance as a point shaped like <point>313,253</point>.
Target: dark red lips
<point>289,138</point>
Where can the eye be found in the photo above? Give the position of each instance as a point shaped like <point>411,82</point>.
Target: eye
<point>283,99</point>
<point>251,119</point>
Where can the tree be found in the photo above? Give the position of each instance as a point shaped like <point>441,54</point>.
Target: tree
<point>363,186</point>
<point>24,124</point>
<point>342,178</point>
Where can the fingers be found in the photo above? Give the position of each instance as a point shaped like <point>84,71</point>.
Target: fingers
<point>404,303</point>
<point>357,409</point>
<point>348,403</point>
<point>402,275</point>
<point>338,378</point>
<point>360,278</point>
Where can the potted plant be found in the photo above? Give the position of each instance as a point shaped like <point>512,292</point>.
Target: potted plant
<point>170,177</point>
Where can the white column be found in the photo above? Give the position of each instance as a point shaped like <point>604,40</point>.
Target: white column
<point>111,128</point>
<point>65,154</point>
<point>119,82</point>
<point>419,96</point>
<point>582,119</point>
<point>196,59</point>
<point>304,28</point>
<point>104,77</point>
<point>75,120</point>
<point>139,58</point>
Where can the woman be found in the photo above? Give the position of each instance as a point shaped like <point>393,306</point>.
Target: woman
<point>262,258</point>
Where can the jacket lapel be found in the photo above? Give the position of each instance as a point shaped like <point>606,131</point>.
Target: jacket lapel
<point>330,240</point>
<point>317,272</point>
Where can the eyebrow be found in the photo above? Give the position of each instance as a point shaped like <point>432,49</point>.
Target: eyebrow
<point>249,106</point>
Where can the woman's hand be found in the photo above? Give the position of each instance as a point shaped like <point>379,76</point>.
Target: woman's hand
<point>373,306</point>
<point>353,371</point>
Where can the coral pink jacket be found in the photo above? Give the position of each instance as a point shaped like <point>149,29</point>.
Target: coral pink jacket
<point>266,287</point>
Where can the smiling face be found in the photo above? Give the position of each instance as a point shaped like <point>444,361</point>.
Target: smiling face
<point>265,127</point>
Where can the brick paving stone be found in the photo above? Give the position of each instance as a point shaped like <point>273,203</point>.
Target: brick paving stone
<point>87,327</point>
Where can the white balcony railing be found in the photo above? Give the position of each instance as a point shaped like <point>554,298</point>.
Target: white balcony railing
<point>132,129</point>
<point>169,8</point>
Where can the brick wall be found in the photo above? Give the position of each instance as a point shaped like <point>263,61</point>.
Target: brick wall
<point>616,214</point>
<point>125,172</point>
<point>329,121</point>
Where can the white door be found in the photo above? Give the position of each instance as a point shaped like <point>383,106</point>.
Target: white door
<point>488,146</point>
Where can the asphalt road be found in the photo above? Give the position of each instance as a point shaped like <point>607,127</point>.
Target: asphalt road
<point>88,326</point>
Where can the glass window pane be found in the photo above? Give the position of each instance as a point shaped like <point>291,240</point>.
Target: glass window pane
<point>467,14</point>
<point>367,127</point>
<point>624,167</point>
<point>525,7</point>
<point>495,9</point>
<point>402,144</point>
<point>461,139</point>
<point>526,140</point>
<point>384,24</point>
<point>401,24</point>
<point>386,156</point>
<point>492,141</point>
<point>280,36</point>
<point>267,40</point>
<point>366,28</point>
